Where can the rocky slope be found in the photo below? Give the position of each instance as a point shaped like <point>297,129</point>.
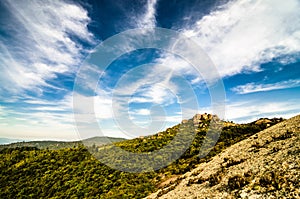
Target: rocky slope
<point>266,165</point>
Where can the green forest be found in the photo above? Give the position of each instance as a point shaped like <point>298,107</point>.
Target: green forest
<point>75,172</point>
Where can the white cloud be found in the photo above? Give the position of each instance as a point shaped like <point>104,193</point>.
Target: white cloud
<point>47,120</point>
<point>157,93</point>
<point>242,34</point>
<point>147,20</point>
<point>175,64</point>
<point>252,87</point>
<point>41,43</point>
<point>142,111</point>
<point>37,101</point>
<point>49,108</point>
<point>87,108</point>
<point>171,119</point>
<point>147,84</point>
<point>248,111</point>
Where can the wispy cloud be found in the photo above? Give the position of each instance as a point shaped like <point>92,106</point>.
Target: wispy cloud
<point>147,84</point>
<point>241,35</point>
<point>247,111</point>
<point>45,119</point>
<point>45,39</point>
<point>142,111</point>
<point>156,94</point>
<point>44,42</point>
<point>100,106</point>
<point>147,19</point>
<point>253,87</point>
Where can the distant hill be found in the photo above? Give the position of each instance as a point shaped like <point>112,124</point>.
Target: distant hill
<point>98,141</point>
<point>265,165</point>
<point>9,140</point>
<point>47,144</point>
<point>75,172</point>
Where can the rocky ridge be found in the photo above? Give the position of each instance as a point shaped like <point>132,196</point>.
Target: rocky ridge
<point>266,165</point>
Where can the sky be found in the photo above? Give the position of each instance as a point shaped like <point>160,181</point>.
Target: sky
<point>54,86</point>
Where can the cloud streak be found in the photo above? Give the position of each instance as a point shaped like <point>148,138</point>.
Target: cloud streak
<point>253,87</point>
<point>248,111</point>
<point>44,119</point>
<point>147,20</point>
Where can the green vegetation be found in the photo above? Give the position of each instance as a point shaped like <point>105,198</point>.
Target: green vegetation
<point>29,172</point>
<point>73,172</point>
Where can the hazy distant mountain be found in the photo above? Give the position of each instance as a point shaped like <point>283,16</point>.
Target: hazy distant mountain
<point>9,140</point>
<point>97,141</point>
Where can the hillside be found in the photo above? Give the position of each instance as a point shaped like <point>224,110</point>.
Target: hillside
<point>265,165</point>
<point>97,141</point>
<point>74,172</point>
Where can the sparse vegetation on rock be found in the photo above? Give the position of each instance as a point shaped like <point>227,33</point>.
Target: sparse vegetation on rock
<point>265,165</point>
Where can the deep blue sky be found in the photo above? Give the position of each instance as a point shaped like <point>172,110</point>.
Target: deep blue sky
<point>45,45</point>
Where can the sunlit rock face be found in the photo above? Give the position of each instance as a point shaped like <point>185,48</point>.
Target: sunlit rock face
<point>199,118</point>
